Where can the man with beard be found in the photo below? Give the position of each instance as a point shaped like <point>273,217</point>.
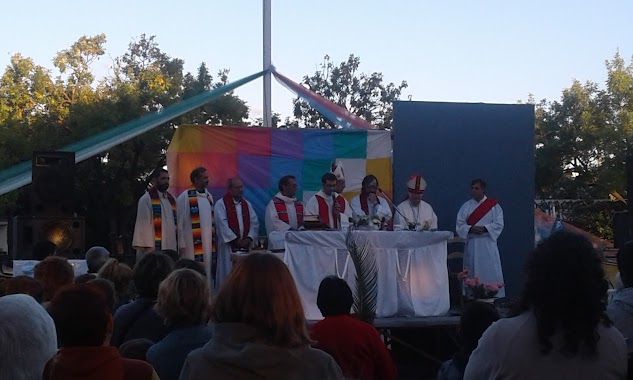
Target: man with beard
<point>370,202</point>
<point>237,227</point>
<point>155,227</point>
<point>332,209</point>
<point>196,222</point>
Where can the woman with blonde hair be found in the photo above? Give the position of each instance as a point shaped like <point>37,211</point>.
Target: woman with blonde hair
<point>259,329</point>
<point>183,302</point>
<point>121,276</point>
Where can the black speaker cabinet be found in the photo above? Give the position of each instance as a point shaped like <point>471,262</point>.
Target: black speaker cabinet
<point>68,234</point>
<point>53,183</point>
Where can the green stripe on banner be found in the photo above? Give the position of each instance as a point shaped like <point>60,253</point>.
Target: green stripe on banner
<point>350,144</point>
<point>312,172</point>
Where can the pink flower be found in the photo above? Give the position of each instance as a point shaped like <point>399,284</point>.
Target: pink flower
<point>500,285</point>
<point>492,287</point>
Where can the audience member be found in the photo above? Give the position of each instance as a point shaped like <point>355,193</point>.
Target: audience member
<point>43,249</point>
<point>96,257</point>
<point>355,345</point>
<point>121,276</point>
<point>183,302</point>
<point>27,338</point>
<point>136,349</point>
<point>85,278</point>
<point>191,264</point>
<point>561,330</point>
<point>173,255</point>
<point>476,318</point>
<point>53,273</point>
<point>259,329</point>
<point>107,287</point>
<point>84,327</point>
<point>23,285</point>
<point>620,309</point>
<point>138,318</point>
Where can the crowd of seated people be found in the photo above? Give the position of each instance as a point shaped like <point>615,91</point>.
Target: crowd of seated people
<point>158,320</point>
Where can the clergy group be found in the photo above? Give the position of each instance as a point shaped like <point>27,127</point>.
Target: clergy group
<point>209,231</point>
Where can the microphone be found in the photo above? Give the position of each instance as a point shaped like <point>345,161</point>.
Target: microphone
<point>337,222</point>
<point>394,206</point>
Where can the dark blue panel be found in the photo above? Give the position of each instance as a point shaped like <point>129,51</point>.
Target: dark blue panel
<point>452,143</point>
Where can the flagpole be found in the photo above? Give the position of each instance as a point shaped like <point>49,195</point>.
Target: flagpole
<point>267,116</point>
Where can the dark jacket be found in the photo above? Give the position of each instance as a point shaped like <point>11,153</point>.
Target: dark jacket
<point>138,320</point>
<point>168,356</point>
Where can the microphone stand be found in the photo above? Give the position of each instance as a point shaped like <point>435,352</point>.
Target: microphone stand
<point>409,224</point>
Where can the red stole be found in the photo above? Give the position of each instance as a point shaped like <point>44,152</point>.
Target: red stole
<point>231,215</point>
<point>364,202</point>
<point>323,210</point>
<point>282,211</point>
<point>480,211</point>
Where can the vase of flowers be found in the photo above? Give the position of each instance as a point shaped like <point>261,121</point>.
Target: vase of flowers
<point>365,222</point>
<point>478,290</point>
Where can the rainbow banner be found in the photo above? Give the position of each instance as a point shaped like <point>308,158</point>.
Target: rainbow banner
<point>261,156</point>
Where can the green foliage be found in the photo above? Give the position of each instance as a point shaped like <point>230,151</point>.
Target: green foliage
<point>364,261</point>
<point>364,95</point>
<point>583,141</point>
<point>40,110</point>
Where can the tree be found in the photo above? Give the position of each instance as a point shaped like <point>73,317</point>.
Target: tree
<point>39,111</point>
<point>228,109</point>
<point>364,95</point>
<point>584,145</point>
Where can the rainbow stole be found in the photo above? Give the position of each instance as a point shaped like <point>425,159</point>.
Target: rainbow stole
<point>198,252</point>
<point>157,216</point>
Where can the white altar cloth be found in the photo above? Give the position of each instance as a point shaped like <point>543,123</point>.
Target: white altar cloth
<point>412,273</point>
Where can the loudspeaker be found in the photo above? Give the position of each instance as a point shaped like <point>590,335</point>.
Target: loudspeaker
<point>67,233</point>
<point>621,231</point>
<point>53,183</point>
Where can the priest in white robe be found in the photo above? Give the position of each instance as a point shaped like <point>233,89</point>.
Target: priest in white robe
<point>414,213</point>
<point>284,212</point>
<point>237,227</point>
<point>480,222</point>
<point>155,227</point>
<point>369,202</point>
<point>195,221</point>
<point>332,209</point>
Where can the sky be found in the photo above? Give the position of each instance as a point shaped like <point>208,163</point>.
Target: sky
<point>457,51</point>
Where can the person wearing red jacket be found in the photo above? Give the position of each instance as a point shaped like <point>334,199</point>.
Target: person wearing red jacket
<point>355,345</point>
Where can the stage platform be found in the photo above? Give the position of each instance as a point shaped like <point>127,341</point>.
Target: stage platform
<point>417,322</point>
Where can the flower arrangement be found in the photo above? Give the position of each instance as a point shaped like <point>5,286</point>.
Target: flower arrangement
<point>478,289</point>
<point>367,222</point>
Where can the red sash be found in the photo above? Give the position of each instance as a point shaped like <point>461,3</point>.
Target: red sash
<point>231,215</point>
<point>282,211</point>
<point>364,202</point>
<point>323,210</point>
<point>480,211</point>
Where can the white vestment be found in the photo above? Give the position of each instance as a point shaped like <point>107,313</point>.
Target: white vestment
<point>273,223</point>
<point>423,216</point>
<point>481,254</point>
<point>144,237</point>
<point>226,235</point>
<point>312,208</point>
<point>381,208</point>
<point>185,233</point>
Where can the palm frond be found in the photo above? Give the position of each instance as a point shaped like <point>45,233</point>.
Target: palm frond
<point>366,275</point>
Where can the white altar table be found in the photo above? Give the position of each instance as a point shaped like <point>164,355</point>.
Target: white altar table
<point>412,273</point>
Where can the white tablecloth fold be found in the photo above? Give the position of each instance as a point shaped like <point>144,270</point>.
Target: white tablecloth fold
<point>412,273</point>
